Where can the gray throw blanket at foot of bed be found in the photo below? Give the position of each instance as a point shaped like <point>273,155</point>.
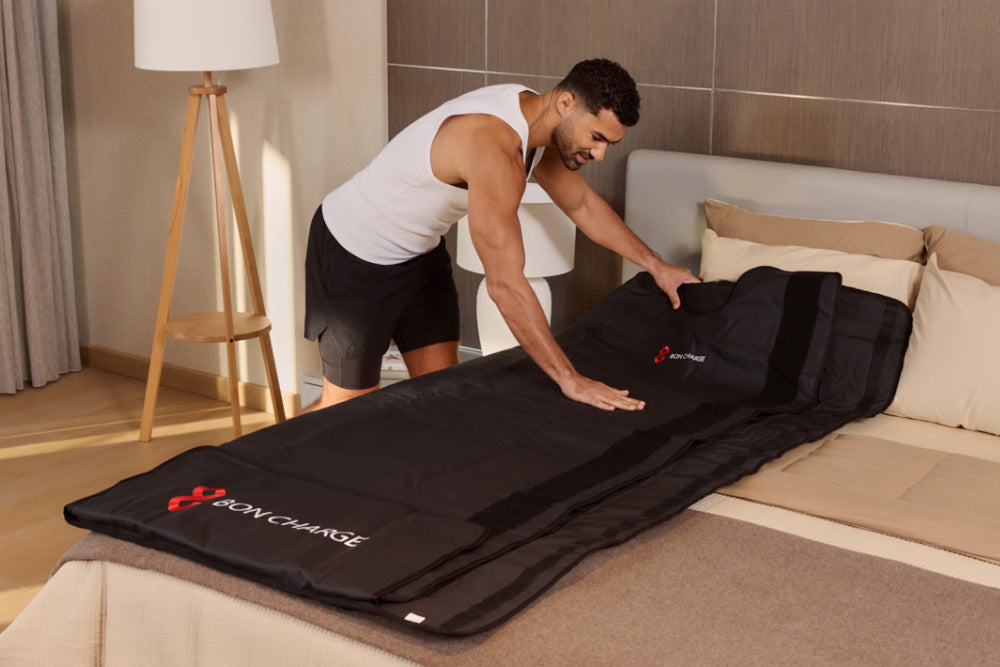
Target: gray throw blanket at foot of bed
<point>451,501</point>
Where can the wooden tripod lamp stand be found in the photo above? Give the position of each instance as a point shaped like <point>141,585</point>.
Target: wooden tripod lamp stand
<point>206,36</point>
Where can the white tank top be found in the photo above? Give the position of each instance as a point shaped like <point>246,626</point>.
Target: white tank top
<point>396,208</point>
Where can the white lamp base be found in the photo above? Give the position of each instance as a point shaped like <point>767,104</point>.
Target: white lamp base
<point>494,335</point>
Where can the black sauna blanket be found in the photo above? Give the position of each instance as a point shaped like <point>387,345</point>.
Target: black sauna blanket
<point>450,501</point>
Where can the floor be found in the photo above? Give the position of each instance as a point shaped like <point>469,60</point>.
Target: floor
<point>74,437</point>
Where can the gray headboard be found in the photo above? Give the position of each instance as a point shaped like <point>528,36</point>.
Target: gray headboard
<point>665,192</point>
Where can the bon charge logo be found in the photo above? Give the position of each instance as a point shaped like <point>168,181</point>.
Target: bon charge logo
<point>201,494</point>
<point>665,354</point>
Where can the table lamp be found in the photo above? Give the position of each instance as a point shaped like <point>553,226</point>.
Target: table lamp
<point>549,238</point>
<point>206,36</point>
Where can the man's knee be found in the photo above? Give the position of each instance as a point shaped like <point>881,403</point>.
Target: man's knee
<point>332,395</point>
<point>430,358</point>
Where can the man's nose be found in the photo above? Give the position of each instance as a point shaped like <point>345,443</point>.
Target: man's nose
<point>598,152</point>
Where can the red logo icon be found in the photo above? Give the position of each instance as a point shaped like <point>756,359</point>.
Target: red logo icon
<point>199,495</point>
<point>664,351</point>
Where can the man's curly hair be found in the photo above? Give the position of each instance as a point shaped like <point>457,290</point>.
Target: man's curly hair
<point>604,84</point>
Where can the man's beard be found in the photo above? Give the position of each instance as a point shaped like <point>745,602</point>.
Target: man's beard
<point>563,136</point>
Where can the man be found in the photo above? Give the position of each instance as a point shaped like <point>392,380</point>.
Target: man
<point>377,267</point>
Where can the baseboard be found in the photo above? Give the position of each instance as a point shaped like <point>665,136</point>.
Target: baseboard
<point>253,396</point>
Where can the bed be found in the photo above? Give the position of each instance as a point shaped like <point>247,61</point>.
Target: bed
<point>877,544</point>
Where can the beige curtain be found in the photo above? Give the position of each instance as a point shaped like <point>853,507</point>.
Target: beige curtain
<point>38,327</point>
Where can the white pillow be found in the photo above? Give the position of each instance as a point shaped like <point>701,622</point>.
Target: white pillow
<point>951,373</point>
<point>727,259</point>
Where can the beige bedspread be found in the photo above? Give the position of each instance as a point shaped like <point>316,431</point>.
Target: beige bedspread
<point>949,499</point>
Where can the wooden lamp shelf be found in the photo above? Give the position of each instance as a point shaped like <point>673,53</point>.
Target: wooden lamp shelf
<point>212,327</point>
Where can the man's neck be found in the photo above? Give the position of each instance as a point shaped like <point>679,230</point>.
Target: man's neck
<point>540,114</point>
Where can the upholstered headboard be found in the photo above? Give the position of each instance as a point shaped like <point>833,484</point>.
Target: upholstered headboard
<point>665,193</point>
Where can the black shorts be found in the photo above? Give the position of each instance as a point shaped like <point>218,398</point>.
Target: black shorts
<point>356,307</point>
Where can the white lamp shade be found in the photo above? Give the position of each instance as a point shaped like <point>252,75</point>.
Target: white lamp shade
<point>549,237</point>
<point>204,35</point>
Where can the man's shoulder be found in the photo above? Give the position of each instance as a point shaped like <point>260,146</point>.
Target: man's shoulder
<point>480,131</point>
<point>498,90</point>
<point>491,108</point>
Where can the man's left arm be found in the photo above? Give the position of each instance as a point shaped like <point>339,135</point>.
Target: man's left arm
<point>595,218</point>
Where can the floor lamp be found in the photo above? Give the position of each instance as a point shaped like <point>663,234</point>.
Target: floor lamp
<point>207,36</point>
<point>549,238</point>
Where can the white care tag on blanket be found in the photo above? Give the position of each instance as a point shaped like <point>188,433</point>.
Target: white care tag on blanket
<point>414,618</point>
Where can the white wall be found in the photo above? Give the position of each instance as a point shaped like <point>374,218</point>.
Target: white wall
<point>301,128</point>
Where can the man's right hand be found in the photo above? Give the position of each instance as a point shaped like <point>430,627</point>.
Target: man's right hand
<point>599,395</point>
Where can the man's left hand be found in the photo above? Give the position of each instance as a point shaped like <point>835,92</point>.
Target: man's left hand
<point>670,277</point>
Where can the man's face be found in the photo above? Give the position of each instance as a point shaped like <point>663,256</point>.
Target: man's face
<point>583,136</point>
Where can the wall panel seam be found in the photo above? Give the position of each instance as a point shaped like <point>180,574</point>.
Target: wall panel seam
<point>536,76</point>
<point>821,98</point>
<point>712,90</point>
<point>711,100</point>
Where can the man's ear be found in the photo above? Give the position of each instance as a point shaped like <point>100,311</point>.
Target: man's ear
<point>565,103</point>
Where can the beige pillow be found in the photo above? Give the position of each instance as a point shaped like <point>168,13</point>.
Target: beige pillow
<point>882,239</point>
<point>964,253</point>
<point>951,373</point>
<point>728,259</point>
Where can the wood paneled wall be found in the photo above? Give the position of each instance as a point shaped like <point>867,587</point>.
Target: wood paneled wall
<point>892,86</point>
